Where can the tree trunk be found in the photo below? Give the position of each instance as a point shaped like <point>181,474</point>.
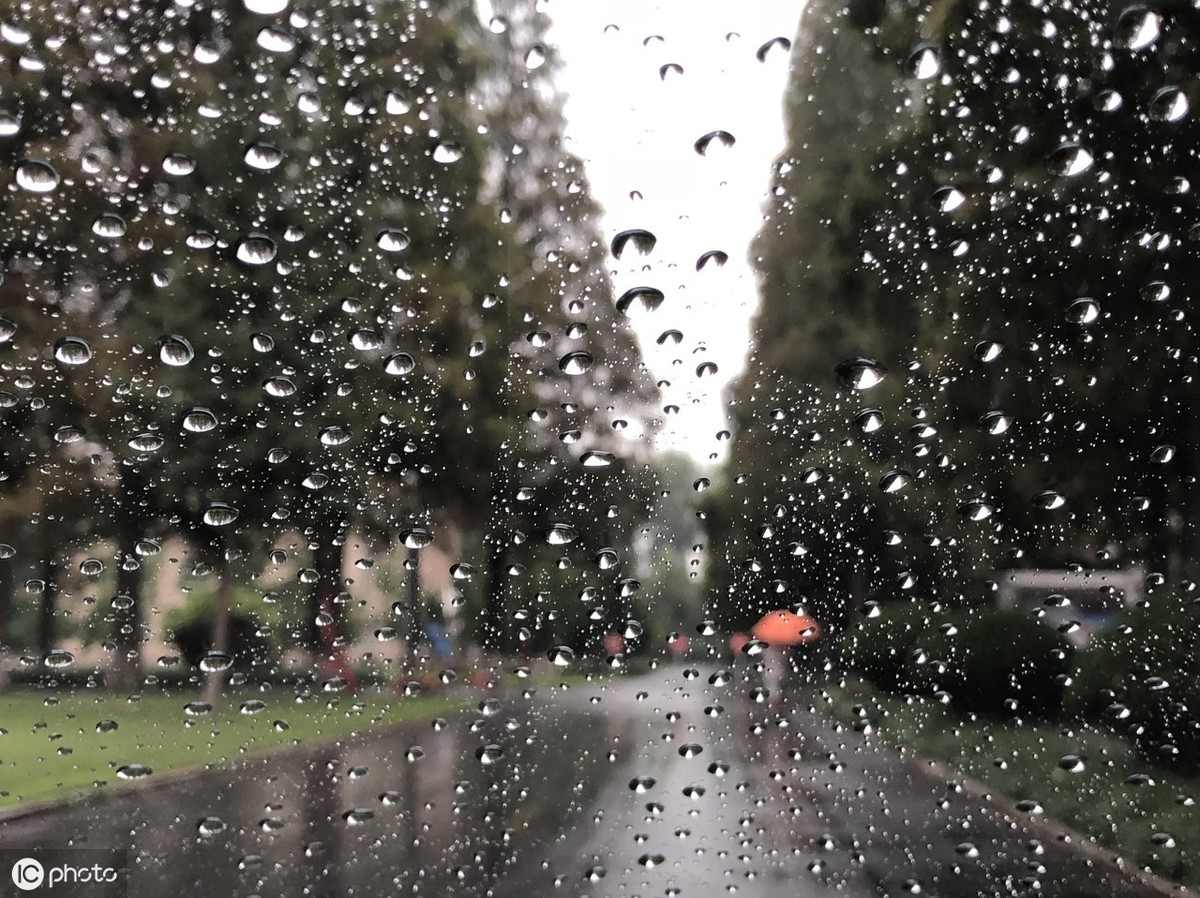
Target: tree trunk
<point>416,613</point>
<point>6,598</point>
<point>127,616</point>
<point>47,610</point>
<point>493,617</point>
<point>329,658</point>
<point>220,640</point>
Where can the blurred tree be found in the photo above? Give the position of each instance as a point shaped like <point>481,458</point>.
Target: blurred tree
<point>992,203</point>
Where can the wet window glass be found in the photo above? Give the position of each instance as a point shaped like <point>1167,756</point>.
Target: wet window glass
<point>509,447</point>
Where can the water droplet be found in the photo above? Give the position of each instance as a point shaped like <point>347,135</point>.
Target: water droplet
<point>175,350</point>
<point>669,70</point>
<point>780,44</point>
<point>109,226</point>
<point>1069,160</point>
<point>73,351</point>
<point>58,658</point>
<point>393,240</point>
<point>535,58</point>
<point>106,726</point>
<point>1162,454</point>
<point>399,363</point>
<point>133,771</point>
<point>995,422</point>
<point>948,199</point>
<point>10,124</point>
<point>895,481</point>
<point>273,40</point>
<point>1137,28</point>
<point>561,655</point>
<point>177,165</point>
<point>416,538</point>
<point>487,755</point>
<point>1170,104</point>
<point>199,420</point>
<point>279,387</point>
<point>1156,291</point>
<point>208,827</point>
<point>91,567</point>
<point>358,816</point>
<point>977,509</point>
<point>642,784</point>
<point>1049,500</point>
<point>721,139</point>
<point>561,535</point>
<point>252,706</point>
<point>447,152</point>
<point>462,571</point>
<point>365,339</point>
<point>988,350</point>
<point>8,329</point>
<point>215,662</point>
<point>650,861</point>
<point>262,156</point>
<point>220,514</point>
<point>68,434</point>
<point>256,249</point>
<point>334,435</point>
<point>869,420</point>
<point>642,241</point>
<point>1084,310</point>
<point>37,176</point>
<point>860,373</point>
<point>924,62</point>
<point>647,299</point>
<point>596,458</point>
<point>1071,764</point>
<point>575,363</point>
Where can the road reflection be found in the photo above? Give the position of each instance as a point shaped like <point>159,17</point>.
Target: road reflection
<point>656,785</point>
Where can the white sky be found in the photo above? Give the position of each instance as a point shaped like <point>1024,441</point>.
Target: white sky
<point>635,132</point>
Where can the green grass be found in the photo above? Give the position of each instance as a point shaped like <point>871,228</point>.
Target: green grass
<point>1022,761</point>
<point>51,748</point>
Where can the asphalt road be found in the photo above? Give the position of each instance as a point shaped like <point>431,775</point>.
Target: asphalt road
<point>657,785</point>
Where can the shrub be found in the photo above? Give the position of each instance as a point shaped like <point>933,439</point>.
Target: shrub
<point>190,629</point>
<point>998,662</point>
<point>1141,677</point>
<point>878,648</point>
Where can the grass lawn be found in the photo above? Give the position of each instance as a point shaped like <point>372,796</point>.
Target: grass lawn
<point>54,745</point>
<point>1142,812</point>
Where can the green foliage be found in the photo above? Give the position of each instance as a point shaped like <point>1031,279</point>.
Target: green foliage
<point>998,662</point>
<point>1142,677</point>
<point>990,661</point>
<point>879,648</point>
<point>191,627</point>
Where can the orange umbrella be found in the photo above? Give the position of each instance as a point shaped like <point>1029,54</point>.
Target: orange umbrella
<point>785,627</point>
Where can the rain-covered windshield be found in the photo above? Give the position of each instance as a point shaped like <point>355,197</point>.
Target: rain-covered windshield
<point>538,447</point>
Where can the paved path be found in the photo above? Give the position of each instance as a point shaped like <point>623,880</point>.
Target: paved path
<point>601,790</point>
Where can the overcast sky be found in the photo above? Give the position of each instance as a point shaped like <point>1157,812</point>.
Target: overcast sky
<point>636,130</point>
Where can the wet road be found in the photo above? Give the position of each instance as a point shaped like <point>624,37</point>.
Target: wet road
<point>656,785</point>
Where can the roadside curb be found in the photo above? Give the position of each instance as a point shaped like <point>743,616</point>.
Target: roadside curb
<point>1045,828</point>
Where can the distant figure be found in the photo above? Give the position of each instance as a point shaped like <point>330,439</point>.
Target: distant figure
<point>613,643</point>
<point>775,663</point>
<point>439,640</point>
<point>679,646</point>
<point>737,645</point>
